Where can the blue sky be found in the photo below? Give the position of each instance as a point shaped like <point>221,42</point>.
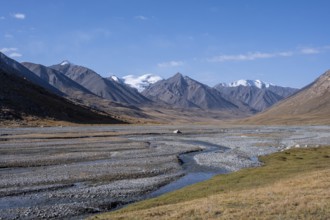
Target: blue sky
<point>285,42</point>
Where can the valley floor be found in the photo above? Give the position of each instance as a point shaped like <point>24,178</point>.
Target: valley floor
<point>71,172</point>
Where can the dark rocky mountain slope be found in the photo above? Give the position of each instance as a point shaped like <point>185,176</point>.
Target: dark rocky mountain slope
<point>58,80</point>
<point>21,100</point>
<point>9,65</point>
<point>24,97</point>
<point>105,88</point>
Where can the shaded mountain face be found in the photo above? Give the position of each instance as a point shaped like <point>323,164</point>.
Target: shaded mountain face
<point>182,92</point>
<point>58,80</point>
<point>22,100</point>
<point>256,94</point>
<point>104,87</point>
<point>25,94</point>
<point>310,105</point>
<point>80,94</point>
<point>15,68</point>
<point>283,91</point>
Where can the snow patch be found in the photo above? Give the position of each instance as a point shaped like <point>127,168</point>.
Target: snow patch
<point>65,62</point>
<point>141,82</point>
<point>256,83</point>
<point>116,79</point>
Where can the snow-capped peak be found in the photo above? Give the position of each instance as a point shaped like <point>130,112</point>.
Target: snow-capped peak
<point>141,82</point>
<point>65,62</point>
<point>115,78</point>
<point>256,83</point>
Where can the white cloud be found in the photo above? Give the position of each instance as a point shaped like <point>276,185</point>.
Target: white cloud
<point>248,56</point>
<point>310,51</point>
<point>11,52</point>
<point>170,64</point>
<point>19,16</point>
<point>141,17</point>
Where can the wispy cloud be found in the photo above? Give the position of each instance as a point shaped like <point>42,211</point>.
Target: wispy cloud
<point>141,17</point>
<point>8,36</point>
<point>20,16</point>
<point>11,52</point>
<point>310,51</point>
<point>170,64</point>
<point>15,54</point>
<point>285,54</point>
<point>8,49</point>
<point>248,56</point>
<point>2,18</point>
<point>264,55</point>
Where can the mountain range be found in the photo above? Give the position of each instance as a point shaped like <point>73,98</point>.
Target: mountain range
<point>310,105</point>
<point>256,94</point>
<point>150,98</point>
<point>183,92</point>
<point>25,97</point>
<point>104,87</point>
<point>78,93</point>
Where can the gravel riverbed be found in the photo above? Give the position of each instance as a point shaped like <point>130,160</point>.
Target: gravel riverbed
<point>72,172</point>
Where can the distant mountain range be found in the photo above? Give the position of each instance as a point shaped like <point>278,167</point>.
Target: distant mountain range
<point>149,97</point>
<point>310,105</point>
<point>183,92</point>
<point>256,94</point>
